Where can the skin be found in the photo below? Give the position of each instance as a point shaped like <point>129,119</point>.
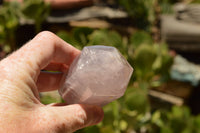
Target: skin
<point>21,81</point>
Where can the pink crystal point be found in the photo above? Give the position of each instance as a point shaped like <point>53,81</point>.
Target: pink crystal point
<point>99,75</point>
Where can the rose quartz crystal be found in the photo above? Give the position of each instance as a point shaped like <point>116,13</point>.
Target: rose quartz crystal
<point>99,75</point>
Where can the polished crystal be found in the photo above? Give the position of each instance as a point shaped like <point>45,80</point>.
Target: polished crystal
<point>99,75</point>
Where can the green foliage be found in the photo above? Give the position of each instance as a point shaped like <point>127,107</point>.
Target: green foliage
<point>166,7</point>
<point>179,119</point>
<point>37,10</point>
<point>47,99</point>
<point>110,38</point>
<point>149,59</point>
<point>142,11</point>
<point>141,104</point>
<point>79,37</point>
<point>140,37</point>
<point>195,1</point>
<point>69,38</point>
<point>11,13</point>
<point>9,21</point>
<point>144,58</point>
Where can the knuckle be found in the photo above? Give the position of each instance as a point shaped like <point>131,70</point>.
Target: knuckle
<point>45,35</point>
<point>81,115</point>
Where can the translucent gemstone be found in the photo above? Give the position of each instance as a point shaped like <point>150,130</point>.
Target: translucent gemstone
<point>99,75</point>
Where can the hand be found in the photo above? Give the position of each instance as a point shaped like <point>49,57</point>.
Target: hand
<point>20,84</point>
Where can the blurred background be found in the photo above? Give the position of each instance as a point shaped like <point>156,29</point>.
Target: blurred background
<point>159,38</point>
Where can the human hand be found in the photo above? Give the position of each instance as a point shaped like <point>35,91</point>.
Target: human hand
<point>21,81</point>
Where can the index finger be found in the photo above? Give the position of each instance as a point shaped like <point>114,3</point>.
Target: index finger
<point>46,47</point>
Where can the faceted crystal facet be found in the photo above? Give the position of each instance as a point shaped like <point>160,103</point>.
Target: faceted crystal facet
<point>99,75</point>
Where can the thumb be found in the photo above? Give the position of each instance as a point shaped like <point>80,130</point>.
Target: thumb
<point>69,118</point>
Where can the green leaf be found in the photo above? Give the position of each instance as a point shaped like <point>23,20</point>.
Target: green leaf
<point>123,125</point>
<point>140,37</point>
<point>156,119</point>
<point>81,35</point>
<point>107,129</point>
<point>37,10</point>
<point>166,130</point>
<point>142,11</point>
<point>136,99</point>
<point>49,99</point>
<point>69,39</point>
<point>144,59</point>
